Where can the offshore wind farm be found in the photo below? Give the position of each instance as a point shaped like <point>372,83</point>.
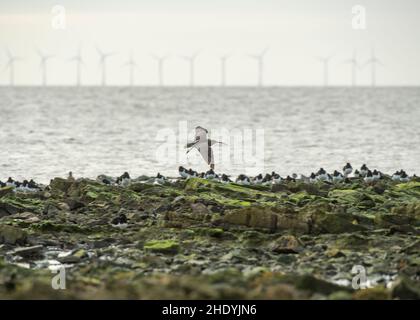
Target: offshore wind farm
<point>190,61</point>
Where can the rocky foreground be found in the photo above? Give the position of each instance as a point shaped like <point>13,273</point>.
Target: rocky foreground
<point>198,239</point>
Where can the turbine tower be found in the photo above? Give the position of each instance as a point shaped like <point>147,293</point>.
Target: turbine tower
<point>260,61</point>
<point>354,66</point>
<point>131,64</point>
<point>373,61</point>
<point>79,63</point>
<point>43,65</point>
<point>102,63</point>
<point>325,62</point>
<point>160,61</point>
<point>223,60</point>
<point>191,61</point>
<point>11,66</point>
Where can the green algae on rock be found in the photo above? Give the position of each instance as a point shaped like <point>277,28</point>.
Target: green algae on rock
<point>199,238</point>
<point>12,235</point>
<point>162,246</point>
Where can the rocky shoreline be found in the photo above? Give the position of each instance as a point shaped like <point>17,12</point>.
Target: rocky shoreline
<point>202,239</point>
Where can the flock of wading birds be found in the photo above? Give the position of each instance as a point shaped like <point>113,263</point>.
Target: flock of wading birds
<point>347,175</point>
<point>364,173</point>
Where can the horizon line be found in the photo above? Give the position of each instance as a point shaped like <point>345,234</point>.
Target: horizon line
<point>211,86</point>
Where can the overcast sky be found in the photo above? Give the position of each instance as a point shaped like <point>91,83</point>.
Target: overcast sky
<point>296,32</point>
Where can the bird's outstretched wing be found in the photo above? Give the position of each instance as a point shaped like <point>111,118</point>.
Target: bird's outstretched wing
<point>201,133</point>
<point>200,137</point>
<point>213,142</point>
<point>192,144</point>
<point>206,152</point>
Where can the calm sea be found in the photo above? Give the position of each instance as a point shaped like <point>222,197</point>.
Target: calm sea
<point>46,132</point>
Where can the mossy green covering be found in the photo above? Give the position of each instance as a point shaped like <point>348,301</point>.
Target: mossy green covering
<point>201,239</point>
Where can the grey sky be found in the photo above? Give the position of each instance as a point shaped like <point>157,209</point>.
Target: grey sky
<point>296,31</point>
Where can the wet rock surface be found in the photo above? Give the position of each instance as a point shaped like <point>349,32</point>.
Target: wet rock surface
<point>199,239</point>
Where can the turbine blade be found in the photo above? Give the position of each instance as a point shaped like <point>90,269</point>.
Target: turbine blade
<point>9,54</point>
<point>264,52</point>
<point>226,56</point>
<point>99,51</point>
<point>6,66</point>
<point>331,56</point>
<point>362,66</point>
<point>195,55</point>
<point>40,54</point>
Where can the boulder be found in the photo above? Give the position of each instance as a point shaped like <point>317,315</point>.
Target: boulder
<point>386,220</point>
<point>27,252</point>
<point>314,285</point>
<point>60,184</point>
<point>286,244</point>
<point>252,238</point>
<point>334,253</point>
<point>73,256</point>
<point>335,223</point>
<point>292,222</point>
<point>74,204</point>
<point>377,293</point>
<point>12,235</point>
<point>7,208</point>
<point>264,218</point>
<point>199,209</point>
<point>237,217</point>
<point>405,288</point>
<point>404,229</point>
<point>412,248</point>
<point>5,191</point>
<point>255,217</point>
<point>352,241</point>
<point>162,246</point>
<point>28,217</point>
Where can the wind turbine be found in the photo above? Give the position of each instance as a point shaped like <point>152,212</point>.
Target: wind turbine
<point>260,61</point>
<point>325,62</point>
<point>191,60</point>
<point>223,60</point>
<point>160,61</point>
<point>79,63</point>
<point>354,66</point>
<point>43,65</point>
<point>102,63</point>
<point>11,65</point>
<point>373,61</point>
<point>131,64</point>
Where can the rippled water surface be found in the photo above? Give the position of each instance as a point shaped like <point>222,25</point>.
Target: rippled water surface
<point>46,132</point>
